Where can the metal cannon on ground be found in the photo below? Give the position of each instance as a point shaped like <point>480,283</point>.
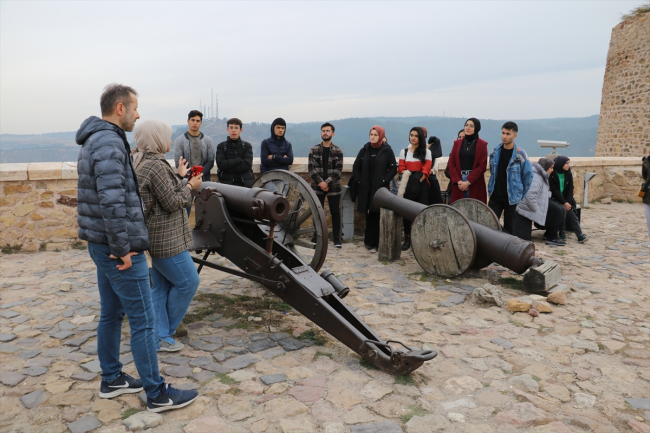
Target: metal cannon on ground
<point>259,231</point>
<point>449,240</point>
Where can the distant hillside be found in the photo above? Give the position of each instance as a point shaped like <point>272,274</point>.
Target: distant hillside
<point>351,134</point>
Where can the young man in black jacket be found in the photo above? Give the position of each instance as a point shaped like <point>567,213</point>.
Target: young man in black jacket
<point>235,157</point>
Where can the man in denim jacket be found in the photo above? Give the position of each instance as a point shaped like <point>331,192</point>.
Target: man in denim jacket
<point>510,176</point>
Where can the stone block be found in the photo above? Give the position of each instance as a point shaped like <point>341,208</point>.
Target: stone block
<point>69,170</point>
<point>13,172</point>
<point>44,170</point>
<point>23,209</point>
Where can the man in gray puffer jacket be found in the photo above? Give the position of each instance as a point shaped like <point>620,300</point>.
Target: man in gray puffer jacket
<point>111,219</point>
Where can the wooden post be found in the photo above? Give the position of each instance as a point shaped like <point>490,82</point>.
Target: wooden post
<point>390,235</point>
<point>542,277</point>
<point>347,215</point>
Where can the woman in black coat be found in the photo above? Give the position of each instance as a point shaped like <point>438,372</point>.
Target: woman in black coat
<point>561,186</point>
<point>374,168</point>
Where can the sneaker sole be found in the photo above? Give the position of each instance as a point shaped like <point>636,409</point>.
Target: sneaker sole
<point>583,241</point>
<point>119,392</point>
<point>170,350</point>
<point>337,246</point>
<point>165,408</point>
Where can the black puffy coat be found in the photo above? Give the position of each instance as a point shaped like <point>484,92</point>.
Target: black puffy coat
<point>365,186</point>
<point>554,185</point>
<point>234,161</point>
<point>109,205</point>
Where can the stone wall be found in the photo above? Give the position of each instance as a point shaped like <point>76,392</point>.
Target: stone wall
<point>624,126</point>
<point>38,200</point>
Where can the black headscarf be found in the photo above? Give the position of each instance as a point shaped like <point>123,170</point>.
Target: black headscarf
<point>421,151</point>
<point>477,128</point>
<point>560,162</point>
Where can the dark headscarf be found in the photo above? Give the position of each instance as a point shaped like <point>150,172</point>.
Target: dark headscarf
<point>421,151</point>
<point>477,128</point>
<point>381,133</point>
<point>279,121</point>
<point>560,162</point>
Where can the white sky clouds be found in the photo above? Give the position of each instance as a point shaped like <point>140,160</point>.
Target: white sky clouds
<point>304,61</point>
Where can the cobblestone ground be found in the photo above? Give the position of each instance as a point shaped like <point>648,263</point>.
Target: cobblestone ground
<point>583,367</point>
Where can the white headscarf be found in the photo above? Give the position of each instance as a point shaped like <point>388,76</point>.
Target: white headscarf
<point>151,136</point>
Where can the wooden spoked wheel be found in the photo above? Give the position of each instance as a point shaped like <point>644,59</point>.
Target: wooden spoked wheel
<point>306,218</point>
<point>479,212</point>
<point>443,241</point>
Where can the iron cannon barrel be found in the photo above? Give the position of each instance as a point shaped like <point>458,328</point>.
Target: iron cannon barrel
<point>507,250</point>
<point>407,209</point>
<point>253,202</point>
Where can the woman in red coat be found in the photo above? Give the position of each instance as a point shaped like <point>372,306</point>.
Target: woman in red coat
<point>467,164</point>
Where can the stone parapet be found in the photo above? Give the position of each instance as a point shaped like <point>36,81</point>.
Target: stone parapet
<point>38,201</point>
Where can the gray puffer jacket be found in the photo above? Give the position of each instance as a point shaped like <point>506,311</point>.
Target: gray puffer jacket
<point>535,204</point>
<point>110,208</point>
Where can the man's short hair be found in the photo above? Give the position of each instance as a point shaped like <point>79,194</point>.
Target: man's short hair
<point>324,125</point>
<point>512,126</point>
<point>115,94</point>
<point>234,121</point>
<point>194,113</point>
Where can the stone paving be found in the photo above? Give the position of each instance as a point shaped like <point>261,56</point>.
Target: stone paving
<point>584,367</point>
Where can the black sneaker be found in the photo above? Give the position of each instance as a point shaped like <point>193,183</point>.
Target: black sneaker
<point>557,242</point>
<point>337,243</point>
<point>171,398</point>
<point>124,384</point>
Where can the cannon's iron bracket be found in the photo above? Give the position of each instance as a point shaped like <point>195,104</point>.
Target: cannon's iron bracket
<point>264,260</point>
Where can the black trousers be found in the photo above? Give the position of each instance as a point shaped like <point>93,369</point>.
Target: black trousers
<point>572,222</point>
<point>335,210</point>
<point>522,227</point>
<point>500,206</point>
<point>555,217</point>
<point>372,229</point>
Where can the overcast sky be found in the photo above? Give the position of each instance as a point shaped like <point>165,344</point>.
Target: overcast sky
<point>304,61</point>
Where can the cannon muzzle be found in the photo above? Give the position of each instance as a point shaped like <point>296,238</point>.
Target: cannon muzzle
<point>255,203</point>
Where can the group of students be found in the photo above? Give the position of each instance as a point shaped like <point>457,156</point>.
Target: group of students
<point>132,203</point>
<point>524,193</point>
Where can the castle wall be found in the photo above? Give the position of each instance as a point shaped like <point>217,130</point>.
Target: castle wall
<point>624,126</point>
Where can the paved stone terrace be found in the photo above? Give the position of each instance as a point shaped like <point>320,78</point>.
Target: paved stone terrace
<point>584,367</point>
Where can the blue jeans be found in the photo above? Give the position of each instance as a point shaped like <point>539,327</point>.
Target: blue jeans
<point>175,281</point>
<point>127,293</point>
<point>465,193</point>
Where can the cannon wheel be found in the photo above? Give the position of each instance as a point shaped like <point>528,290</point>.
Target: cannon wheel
<point>479,212</point>
<point>305,219</point>
<point>444,243</point>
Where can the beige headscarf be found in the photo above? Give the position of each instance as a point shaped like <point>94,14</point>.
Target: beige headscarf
<point>150,136</point>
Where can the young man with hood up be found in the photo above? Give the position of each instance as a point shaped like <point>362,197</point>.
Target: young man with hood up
<point>111,219</point>
<point>276,152</point>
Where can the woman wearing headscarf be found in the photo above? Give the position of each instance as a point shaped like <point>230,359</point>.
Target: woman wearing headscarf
<point>537,207</point>
<point>165,198</point>
<point>414,166</point>
<point>468,163</point>
<point>373,168</point>
<point>561,185</point>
